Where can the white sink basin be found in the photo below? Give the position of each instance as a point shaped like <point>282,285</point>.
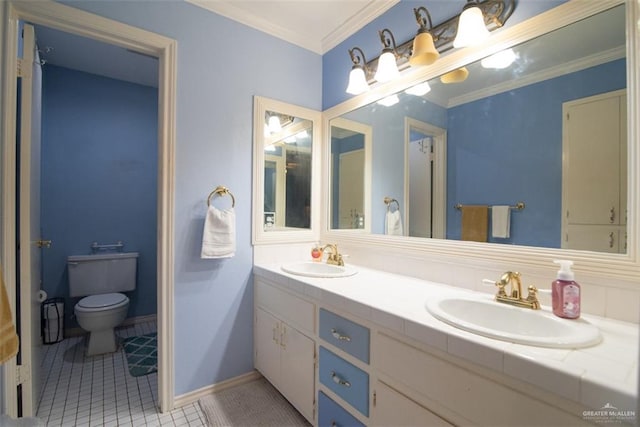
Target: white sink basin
<point>514,324</point>
<point>318,269</point>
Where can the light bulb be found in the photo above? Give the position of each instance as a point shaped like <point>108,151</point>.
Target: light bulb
<point>387,67</point>
<point>274,124</point>
<point>357,81</point>
<point>471,28</point>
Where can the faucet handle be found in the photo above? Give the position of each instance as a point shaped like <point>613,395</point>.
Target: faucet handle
<point>500,284</point>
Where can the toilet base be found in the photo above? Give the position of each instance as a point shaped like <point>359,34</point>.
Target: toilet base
<point>101,342</point>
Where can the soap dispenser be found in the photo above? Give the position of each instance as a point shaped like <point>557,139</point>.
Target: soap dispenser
<point>565,292</point>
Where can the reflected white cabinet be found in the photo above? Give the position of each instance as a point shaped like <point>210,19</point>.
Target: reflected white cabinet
<point>594,173</point>
<point>284,354</point>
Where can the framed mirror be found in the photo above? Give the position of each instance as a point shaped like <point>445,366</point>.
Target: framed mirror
<point>506,141</point>
<point>286,144</point>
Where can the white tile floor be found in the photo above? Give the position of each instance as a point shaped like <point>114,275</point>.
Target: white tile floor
<point>99,391</point>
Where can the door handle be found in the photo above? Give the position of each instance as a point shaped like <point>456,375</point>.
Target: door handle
<point>43,243</point>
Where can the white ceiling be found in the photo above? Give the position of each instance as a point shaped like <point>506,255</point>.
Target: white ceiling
<point>316,25</point>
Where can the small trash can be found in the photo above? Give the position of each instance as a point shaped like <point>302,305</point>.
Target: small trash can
<point>52,314</point>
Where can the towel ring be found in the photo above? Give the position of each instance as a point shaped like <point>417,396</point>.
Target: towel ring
<point>222,191</point>
<point>389,200</point>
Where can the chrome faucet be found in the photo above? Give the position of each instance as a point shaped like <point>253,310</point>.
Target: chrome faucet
<point>334,256</point>
<point>515,298</point>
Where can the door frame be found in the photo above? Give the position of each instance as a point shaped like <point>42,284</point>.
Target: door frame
<point>75,21</point>
<point>439,195</point>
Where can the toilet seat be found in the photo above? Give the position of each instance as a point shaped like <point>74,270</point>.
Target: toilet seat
<point>102,302</point>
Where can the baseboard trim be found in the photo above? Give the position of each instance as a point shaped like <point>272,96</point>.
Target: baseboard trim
<point>193,396</point>
<point>76,332</point>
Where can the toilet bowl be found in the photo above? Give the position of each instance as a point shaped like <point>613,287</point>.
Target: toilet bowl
<point>101,279</point>
<point>99,315</point>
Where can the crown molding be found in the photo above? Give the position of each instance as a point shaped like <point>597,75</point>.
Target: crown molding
<point>546,74</point>
<point>316,45</point>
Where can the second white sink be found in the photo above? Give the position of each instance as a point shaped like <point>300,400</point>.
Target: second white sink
<point>514,324</point>
<point>318,269</point>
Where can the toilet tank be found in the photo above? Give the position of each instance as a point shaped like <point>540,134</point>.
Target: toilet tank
<point>102,273</point>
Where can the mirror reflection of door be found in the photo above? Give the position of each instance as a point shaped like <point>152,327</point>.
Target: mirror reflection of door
<point>287,172</point>
<point>348,142</point>
<point>425,189</point>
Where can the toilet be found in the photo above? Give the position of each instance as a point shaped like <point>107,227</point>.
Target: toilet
<point>101,279</point>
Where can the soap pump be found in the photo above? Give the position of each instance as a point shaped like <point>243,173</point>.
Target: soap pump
<point>565,292</point>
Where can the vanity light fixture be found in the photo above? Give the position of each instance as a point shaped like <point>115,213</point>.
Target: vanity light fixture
<point>387,66</point>
<point>445,36</point>
<point>424,50</point>
<point>274,124</point>
<point>358,76</point>
<point>419,89</point>
<point>455,76</point>
<point>389,100</point>
<point>499,60</point>
<point>471,27</point>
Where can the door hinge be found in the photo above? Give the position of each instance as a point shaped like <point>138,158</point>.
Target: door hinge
<point>20,67</point>
<point>315,407</point>
<point>315,359</point>
<point>375,398</point>
<point>23,374</point>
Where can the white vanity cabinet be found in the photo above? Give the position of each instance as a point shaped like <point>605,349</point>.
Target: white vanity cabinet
<point>283,350</point>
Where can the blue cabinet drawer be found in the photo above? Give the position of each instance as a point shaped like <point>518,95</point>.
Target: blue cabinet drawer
<point>330,414</point>
<point>344,379</point>
<point>345,334</point>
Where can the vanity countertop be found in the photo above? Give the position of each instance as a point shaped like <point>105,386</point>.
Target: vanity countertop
<point>596,376</point>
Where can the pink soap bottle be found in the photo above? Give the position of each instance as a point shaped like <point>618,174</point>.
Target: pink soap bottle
<point>565,292</point>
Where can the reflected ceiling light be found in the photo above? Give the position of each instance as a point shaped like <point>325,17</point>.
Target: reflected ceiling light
<point>455,76</point>
<point>499,60</point>
<point>274,124</point>
<point>290,139</point>
<point>270,148</point>
<point>471,27</point>
<point>302,134</point>
<point>358,76</point>
<point>419,89</point>
<point>387,67</point>
<point>429,42</point>
<point>389,100</point>
<point>424,51</point>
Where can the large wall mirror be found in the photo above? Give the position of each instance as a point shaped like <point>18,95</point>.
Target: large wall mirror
<point>544,134</point>
<point>285,146</point>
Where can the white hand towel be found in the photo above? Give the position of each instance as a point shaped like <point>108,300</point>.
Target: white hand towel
<point>219,236</point>
<point>393,223</point>
<point>500,221</point>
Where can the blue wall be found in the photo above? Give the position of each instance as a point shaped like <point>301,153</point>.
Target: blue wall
<point>213,299</point>
<point>518,156</point>
<point>99,176</point>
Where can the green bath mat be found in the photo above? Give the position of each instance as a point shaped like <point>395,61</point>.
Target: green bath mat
<point>142,354</point>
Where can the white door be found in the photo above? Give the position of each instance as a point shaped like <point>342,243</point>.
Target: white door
<point>297,370</point>
<point>29,224</point>
<point>267,345</point>
<point>420,186</point>
<point>351,191</point>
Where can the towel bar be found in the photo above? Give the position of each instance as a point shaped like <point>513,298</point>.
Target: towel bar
<point>517,207</point>
<point>222,191</point>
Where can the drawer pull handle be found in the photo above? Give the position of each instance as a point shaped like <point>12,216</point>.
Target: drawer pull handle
<point>336,379</point>
<point>339,337</point>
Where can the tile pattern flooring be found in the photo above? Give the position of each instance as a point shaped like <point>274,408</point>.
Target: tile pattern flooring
<point>99,391</point>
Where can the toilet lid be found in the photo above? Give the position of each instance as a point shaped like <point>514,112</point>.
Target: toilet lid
<point>102,300</point>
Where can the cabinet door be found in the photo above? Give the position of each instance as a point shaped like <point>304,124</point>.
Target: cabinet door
<point>393,409</point>
<point>267,345</point>
<point>593,161</point>
<point>297,371</point>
